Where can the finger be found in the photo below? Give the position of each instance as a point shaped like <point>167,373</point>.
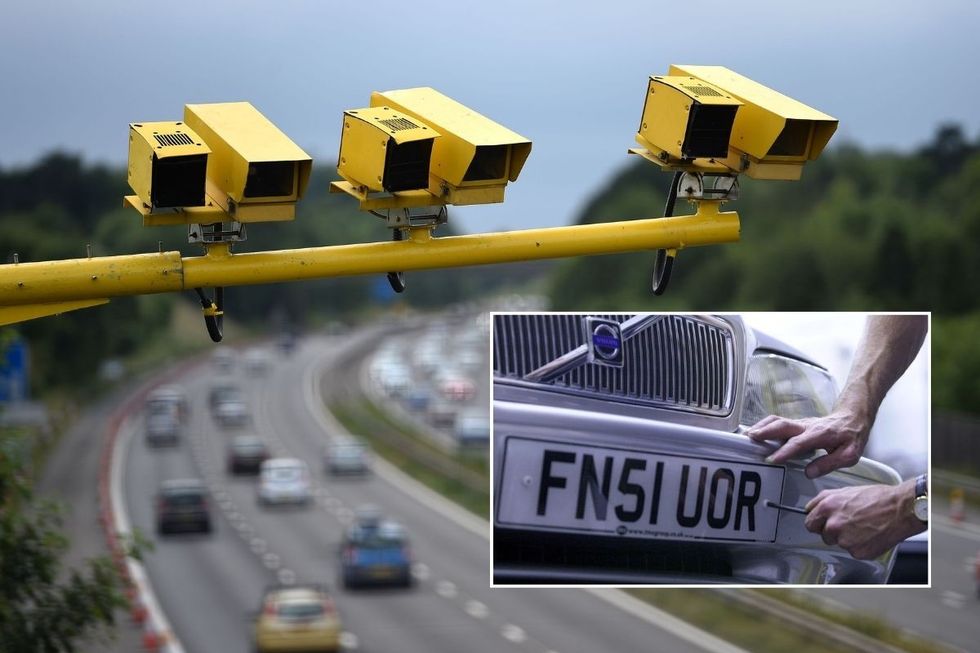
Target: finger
<point>812,504</point>
<point>777,429</point>
<point>762,422</point>
<point>837,459</point>
<point>799,447</point>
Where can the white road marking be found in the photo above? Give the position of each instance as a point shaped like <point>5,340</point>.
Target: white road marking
<point>664,620</point>
<point>964,529</point>
<point>271,561</point>
<point>446,589</point>
<point>348,641</point>
<point>968,564</point>
<point>235,516</point>
<point>476,609</point>
<point>953,599</point>
<point>513,633</point>
<point>421,571</point>
<point>287,576</point>
<point>345,515</point>
<point>259,545</point>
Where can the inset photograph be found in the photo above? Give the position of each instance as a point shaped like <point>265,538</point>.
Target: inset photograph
<point>761,448</point>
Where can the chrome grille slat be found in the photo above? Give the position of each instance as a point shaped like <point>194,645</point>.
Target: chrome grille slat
<point>681,361</point>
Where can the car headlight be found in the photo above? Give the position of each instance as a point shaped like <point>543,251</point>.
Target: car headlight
<point>777,385</point>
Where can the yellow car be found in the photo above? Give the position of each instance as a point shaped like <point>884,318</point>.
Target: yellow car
<point>297,618</point>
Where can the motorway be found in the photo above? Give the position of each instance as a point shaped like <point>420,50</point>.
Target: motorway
<point>209,585</point>
<point>948,611</point>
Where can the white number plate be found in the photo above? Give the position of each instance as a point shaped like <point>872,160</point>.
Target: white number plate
<point>617,491</point>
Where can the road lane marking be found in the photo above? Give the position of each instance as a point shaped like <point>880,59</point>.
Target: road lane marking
<point>348,641</point>
<point>259,545</point>
<point>476,609</point>
<point>513,633</point>
<point>953,599</point>
<point>286,576</point>
<point>664,620</point>
<point>962,529</point>
<point>421,571</point>
<point>446,589</point>
<point>271,561</point>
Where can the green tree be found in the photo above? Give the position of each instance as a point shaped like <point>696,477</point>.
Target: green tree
<point>43,608</point>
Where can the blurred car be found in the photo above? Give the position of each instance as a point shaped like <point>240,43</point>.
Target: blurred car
<point>286,342</point>
<point>284,480</point>
<point>182,506</point>
<point>228,405</point>
<point>297,618</point>
<point>257,361</point>
<point>162,428</point>
<point>375,552</point>
<point>417,399</point>
<point>472,429</point>
<point>441,413</point>
<point>620,457</point>
<point>166,398</point>
<point>232,414</point>
<point>223,359</point>
<point>222,392</point>
<point>245,454</point>
<point>347,456</point>
<point>457,388</point>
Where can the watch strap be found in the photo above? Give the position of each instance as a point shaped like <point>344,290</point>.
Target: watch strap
<point>922,485</point>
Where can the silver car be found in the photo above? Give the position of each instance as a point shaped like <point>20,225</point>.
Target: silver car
<point>619,455</point>
<point>284,480</point>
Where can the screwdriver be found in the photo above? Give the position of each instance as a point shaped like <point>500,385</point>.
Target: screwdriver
<point>777,506</point>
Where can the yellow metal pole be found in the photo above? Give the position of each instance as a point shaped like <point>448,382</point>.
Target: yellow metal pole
<point>422,252</point>
<point>113,276</point>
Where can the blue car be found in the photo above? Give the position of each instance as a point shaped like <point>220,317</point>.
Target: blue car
<point>376,553</point>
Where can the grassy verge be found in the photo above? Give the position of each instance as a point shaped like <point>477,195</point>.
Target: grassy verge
<point>871,626</point>
<point>733,622</point>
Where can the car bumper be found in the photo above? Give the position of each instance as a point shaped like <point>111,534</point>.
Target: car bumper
<point>313,640</point>
<point>379,575</point>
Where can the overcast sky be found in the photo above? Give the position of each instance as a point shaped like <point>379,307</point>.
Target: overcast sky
<point>569,75</point>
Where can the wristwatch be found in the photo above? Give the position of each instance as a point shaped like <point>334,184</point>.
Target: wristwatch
<point>920,506</point>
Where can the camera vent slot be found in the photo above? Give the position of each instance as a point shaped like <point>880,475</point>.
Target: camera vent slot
<point>703,91</point>
<point>398,124</point>
<point>172,140</point>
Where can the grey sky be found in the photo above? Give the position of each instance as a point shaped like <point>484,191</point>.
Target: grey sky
<point>568,75</point>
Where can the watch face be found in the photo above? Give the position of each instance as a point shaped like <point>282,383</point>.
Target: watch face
<point>921,508</point>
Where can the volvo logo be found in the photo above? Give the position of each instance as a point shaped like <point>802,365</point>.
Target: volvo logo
<point>605,341</point>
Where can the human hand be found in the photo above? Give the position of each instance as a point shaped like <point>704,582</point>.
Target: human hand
<point>864,520</point>
<point>842,434</point>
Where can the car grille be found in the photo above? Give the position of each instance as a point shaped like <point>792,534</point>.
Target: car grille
<point>681,362</point>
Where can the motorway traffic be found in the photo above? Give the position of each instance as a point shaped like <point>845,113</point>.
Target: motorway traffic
<point>210,585</point>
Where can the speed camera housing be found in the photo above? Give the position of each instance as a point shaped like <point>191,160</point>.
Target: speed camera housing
<point>167,165</point>
<point>255,172</point>
<point>474,157</point>
<point>384,150</point>
<point>773,135</point>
